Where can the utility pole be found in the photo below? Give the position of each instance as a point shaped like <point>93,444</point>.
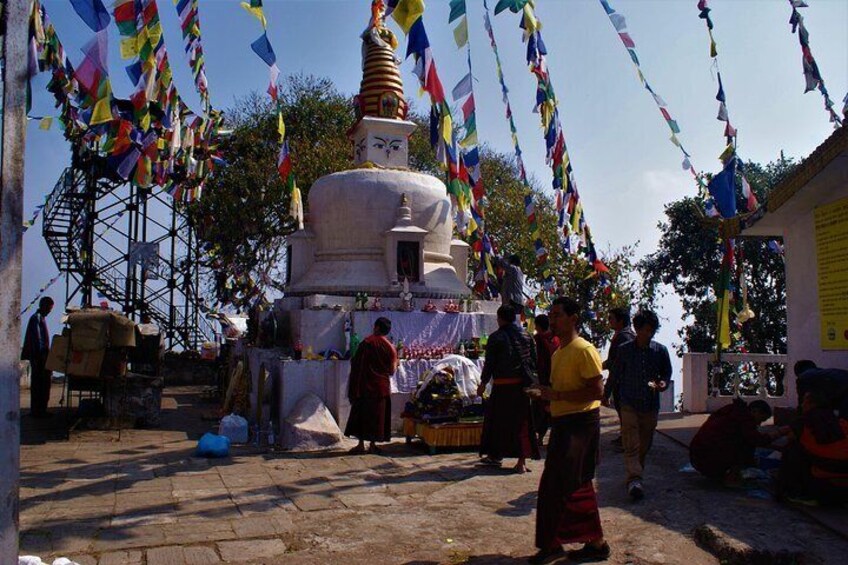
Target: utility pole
<point>16,18</point>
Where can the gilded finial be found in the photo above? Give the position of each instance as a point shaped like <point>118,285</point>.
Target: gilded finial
<point>381,90</point>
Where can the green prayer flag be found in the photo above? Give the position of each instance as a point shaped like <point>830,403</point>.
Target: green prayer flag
<point>457,9</point>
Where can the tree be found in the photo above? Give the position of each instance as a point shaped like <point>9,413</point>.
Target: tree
<point>688,259</point>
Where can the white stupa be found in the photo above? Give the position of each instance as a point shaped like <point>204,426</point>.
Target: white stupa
<point>371,227</point>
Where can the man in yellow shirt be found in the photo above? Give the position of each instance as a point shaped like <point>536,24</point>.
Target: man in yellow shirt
<point>567,508</point>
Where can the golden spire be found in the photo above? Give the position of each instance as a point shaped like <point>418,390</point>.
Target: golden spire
<point>381,90</point>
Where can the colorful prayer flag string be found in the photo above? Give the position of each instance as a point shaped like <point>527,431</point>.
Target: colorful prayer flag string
<point>40,293</point>
<point>577,237</point>
<point>619,22</point>
<point>263,49</point>
<point>189,14</point>
<point>812,75</point>
<point>409,16</point>
<point>730,133</point>
<point>463,94</point>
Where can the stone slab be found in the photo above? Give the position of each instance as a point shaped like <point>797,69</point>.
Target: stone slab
<point>242,551</point>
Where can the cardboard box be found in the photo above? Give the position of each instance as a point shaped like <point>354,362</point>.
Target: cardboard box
<point>93,329</point>
<point>59,350</point>
<point>63,359</point>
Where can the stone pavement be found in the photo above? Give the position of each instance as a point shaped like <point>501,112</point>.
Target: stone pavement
<point>146,500</point>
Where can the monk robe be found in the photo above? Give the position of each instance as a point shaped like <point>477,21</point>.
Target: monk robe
<point>508,423</point>
<point>726,441</point>
<point>817,464</point>
<point>369,391</point>
<point>546,344</point>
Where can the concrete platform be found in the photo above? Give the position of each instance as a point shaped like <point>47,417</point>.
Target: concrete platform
<point>147,500</point>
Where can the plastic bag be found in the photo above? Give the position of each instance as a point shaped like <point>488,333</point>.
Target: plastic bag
<point>213,445</point>
<point>234,427</point>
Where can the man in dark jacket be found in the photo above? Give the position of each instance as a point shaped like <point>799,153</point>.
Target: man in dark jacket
<point>511,367</point>
<point>642,371</point>
<point>35,350</point>
<point>619,321</point>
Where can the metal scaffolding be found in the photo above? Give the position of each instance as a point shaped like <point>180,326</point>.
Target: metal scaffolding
<point>134,247</point>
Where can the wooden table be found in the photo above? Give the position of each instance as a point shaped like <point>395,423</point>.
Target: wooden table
<point>448,434</point>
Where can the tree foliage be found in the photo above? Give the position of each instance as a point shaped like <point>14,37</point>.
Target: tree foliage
<point>507,226</point>
<point>688,260</point>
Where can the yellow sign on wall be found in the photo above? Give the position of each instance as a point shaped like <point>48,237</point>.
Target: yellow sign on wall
<point>832,260</point>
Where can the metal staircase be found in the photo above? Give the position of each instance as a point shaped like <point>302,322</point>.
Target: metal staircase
<point>69,226</point>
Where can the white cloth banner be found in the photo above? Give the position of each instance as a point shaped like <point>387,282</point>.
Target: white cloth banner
<point>466,371</point>
<point>427,329</point>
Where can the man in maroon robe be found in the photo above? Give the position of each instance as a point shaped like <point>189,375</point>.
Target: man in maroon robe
<point>369,392</point>
<point>546,344</point>
<point>726,441</point>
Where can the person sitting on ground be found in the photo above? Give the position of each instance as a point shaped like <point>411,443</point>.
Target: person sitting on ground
<point>832,383</point>
<point>546,344</point>
<point>726,441</point>
<point>814,468</point>
<point>369,388</point>
<point>511,367</point>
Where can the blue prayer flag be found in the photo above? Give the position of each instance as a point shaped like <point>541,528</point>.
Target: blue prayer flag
<point>262,47</point>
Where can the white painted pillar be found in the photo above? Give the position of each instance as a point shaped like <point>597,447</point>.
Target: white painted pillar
<point>11,223</point>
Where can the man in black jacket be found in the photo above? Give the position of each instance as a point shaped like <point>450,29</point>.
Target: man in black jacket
<point>511,367</point>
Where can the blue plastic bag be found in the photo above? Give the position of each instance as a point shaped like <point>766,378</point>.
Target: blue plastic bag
<point>213,445</point>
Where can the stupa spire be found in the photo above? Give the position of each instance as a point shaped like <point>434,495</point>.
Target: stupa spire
<point>381,90</point>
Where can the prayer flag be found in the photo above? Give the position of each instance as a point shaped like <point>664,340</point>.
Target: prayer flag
<point>262,47</point>
<point>93,13</point>
<point>460,33</point>
<point>407,13</point>
<point>463,87</point>
<point>457,10</point>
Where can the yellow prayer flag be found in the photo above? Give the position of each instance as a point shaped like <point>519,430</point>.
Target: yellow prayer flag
<point>460,33</point>
<point>724,321</point>
<point>281,126</point>
<point>470,140</point>
<point>531,24</point>
<point>256,13</point>
<point>129,48</point>
<point>102,112</point>
<point>407,12</point>
<point>45,123</point>
<point>727,153</point>
<point>155,34</point>
<point>447,127</point>
<point>575,217</point>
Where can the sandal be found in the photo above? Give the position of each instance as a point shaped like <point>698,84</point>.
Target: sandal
<point>358,450</point>
<point>375,450</point>
<point>490,462</point>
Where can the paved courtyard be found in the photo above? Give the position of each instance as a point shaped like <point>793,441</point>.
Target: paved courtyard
<point>146,500</point>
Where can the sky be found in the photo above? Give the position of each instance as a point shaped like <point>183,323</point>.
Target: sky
<point>624,164</point>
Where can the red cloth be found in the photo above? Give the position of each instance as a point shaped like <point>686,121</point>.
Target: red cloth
<point>567,508</point>
<point>726,440</point>
<point>371,368</point>
<point>546,344</point>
